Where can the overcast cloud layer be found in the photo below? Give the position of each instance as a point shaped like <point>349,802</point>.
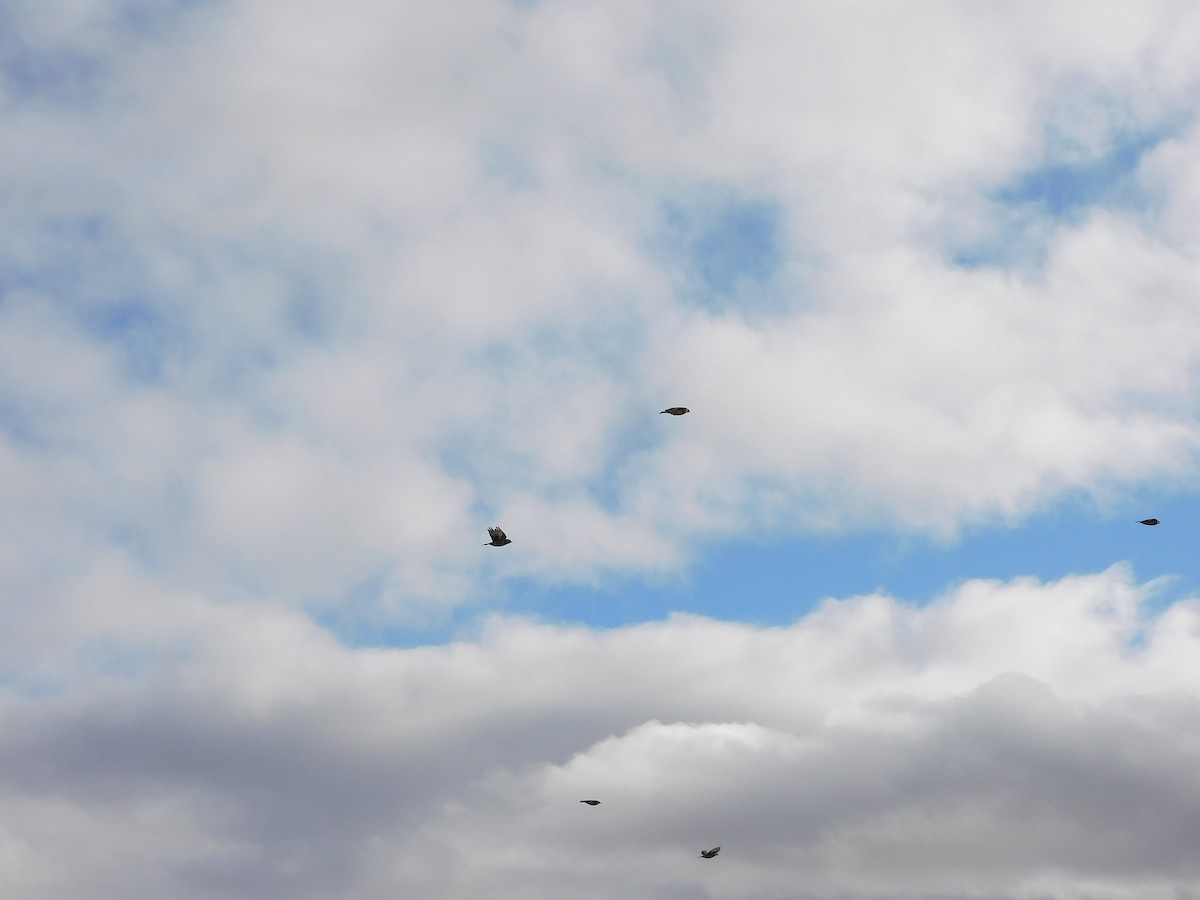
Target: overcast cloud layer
<point>296,298</point>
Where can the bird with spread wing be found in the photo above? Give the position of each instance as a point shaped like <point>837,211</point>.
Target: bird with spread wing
<point>498,537</point>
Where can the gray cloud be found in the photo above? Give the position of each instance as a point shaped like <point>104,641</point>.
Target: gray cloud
<point>869,750</point>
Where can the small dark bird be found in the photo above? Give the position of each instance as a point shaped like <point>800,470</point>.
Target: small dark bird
<point>498,537</point>
<point>709,854</point>
<point>1148,522</point>
<point>676,411</point>
<point>591,802</point>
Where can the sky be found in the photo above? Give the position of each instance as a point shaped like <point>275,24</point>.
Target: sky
<point>298,298</point>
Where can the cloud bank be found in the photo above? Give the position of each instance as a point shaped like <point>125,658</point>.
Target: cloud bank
<point>1012,739</point>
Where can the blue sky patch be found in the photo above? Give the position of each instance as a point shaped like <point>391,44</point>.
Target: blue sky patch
<point>58,74</point>
<point>774,582</point>
<point>1064,190</point>
<point>724,252</point>
<point>1026,211</point>
<point>139,336</point>
<point>151,18</point>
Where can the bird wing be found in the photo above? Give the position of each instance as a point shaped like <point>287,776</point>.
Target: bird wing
<point>496,533</point>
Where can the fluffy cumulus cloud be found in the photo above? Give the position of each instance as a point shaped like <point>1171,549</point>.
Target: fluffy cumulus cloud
<point>1008,740</point>
<point>296,298</point>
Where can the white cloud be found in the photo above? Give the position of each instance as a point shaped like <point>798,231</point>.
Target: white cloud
<point>397,273</point>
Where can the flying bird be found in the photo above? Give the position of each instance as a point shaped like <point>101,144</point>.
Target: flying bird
<point>1148,522</point>
<point>676,410</point>
<point>591,802</point>
<point>498,537</point>
<point>709,854</point>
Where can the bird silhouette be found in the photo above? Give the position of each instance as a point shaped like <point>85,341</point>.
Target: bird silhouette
<point>709,854</point>
<point>1148,522</point>
<point>498,537</point>
<point>591,802</point>
<point>676,410</point>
